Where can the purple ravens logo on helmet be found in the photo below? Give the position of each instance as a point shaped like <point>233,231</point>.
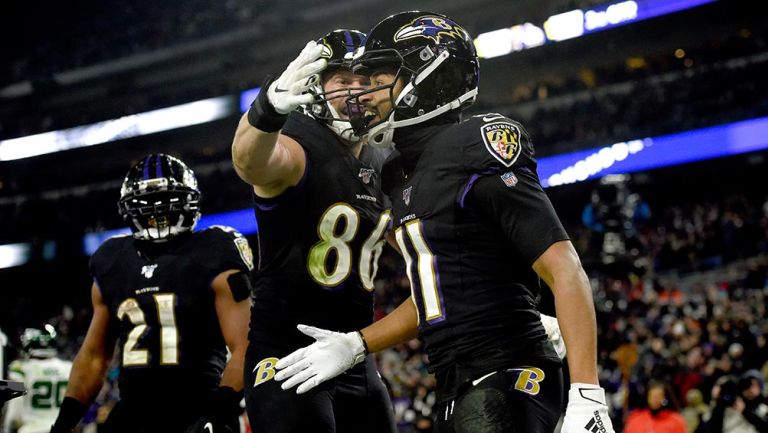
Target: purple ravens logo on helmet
<point>431,27</point>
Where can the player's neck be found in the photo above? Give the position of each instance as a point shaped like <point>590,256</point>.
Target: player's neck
<point>154,249</point>
<point>411,141</point>
<point>356,148</point>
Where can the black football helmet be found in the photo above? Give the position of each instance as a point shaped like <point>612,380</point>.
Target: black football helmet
<point>39,343</point>
<point>437,61</point>
<point>159,198</point>
<point>338,48</point>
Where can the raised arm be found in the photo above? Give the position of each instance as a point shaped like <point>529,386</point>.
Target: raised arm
<point>263,157</point>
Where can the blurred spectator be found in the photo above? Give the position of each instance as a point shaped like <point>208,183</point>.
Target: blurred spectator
<point>695,409</point>
<point>728,413</point>
<point>660,416</point>
<point>755,407</point>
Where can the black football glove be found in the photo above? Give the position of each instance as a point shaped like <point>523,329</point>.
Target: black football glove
<point>221,413</point>
<point>70,413</point>
<point>204,425</point>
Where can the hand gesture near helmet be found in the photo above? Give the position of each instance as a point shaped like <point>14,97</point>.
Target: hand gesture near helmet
<point>270,109</point>
<point>272,162</point>
<point>290,90</point>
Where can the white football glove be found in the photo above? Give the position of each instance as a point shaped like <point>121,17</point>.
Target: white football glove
<point>586,411</point>
<point>553,334</point>
<point>290,89</point>
<point>332,354</point>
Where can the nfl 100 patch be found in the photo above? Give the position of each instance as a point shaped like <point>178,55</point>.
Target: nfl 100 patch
<point>502,139</point>
<point>366,174</point>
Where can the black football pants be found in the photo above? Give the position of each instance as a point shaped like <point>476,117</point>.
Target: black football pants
<point>516,400</point>
<point>355,402</point>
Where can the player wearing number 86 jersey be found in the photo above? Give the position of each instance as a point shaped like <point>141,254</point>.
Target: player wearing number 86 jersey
<point>478,234</point>
<point>172,300</point>
<point>322,222</point>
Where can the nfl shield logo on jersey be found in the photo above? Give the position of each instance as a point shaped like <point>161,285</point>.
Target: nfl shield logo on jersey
<point>407,195</point>
<point>509,179</point>
<point>365,175</point>
<point>148,270</point>
<point>502,139</point>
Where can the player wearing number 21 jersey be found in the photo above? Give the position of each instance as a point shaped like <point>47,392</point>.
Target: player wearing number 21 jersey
<point>322,222</point>
<point>173,300</point>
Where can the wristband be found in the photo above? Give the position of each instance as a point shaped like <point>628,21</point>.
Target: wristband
<point>262,114</point>
<point>70,413</point>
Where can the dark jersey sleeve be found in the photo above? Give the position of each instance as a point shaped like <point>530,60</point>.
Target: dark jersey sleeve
<point>105,257</point>
<point>224,248</point>
<point>516,202</point>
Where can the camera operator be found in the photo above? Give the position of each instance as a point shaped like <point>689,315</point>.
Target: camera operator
<point>612,216</point>
<point>738,406</point>
<point>755,407</point>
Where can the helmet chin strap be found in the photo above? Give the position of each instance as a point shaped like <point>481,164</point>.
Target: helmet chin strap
<point>342,128</point>
<point>381,135</point>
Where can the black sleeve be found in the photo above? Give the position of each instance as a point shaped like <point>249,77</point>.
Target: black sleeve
<point>516,202</point>
<point>225,248</point>
<point>104,257</point>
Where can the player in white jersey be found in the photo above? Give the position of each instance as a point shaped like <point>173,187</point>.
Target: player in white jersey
<point>44,375</point>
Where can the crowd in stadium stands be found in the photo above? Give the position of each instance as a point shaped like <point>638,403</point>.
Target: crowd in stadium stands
<point>620,103</point>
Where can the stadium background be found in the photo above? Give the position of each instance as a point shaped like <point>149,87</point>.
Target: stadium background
<point>676,248</point>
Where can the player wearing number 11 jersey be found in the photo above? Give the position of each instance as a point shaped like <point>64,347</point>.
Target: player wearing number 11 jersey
<point>322,222</point>
<point>478,234</point>
<point>173,300</point>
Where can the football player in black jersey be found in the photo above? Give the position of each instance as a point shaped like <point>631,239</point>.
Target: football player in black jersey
<point>478,234</point>
<point>173,300</point>
<point>322,222</point>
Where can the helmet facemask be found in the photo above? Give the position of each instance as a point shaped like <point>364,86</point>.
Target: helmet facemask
<point>380,132</point>
<point>323,107</point>
<point>160,208</point>
<point>338,47</point>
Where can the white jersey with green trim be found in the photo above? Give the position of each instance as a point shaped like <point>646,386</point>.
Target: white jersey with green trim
<point>46,382</point>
